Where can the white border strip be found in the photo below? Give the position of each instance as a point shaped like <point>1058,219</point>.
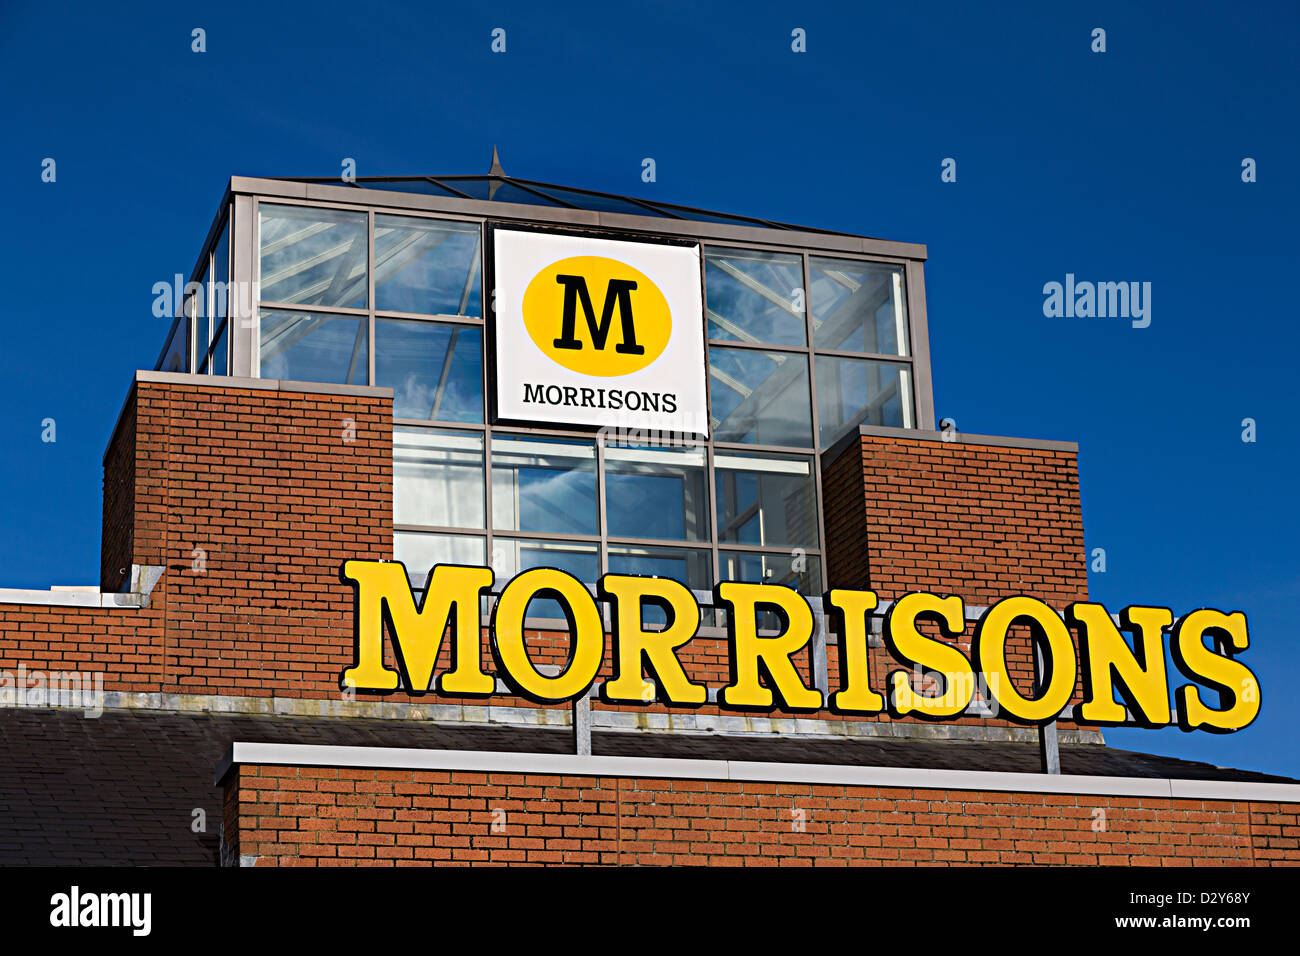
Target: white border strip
<point>483,761</point>
<point>95,598</point>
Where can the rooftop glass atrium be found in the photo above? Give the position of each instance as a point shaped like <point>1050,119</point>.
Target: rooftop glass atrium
<point>380,281</point>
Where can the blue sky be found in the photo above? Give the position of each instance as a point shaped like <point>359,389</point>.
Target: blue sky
<point>1122,166</point>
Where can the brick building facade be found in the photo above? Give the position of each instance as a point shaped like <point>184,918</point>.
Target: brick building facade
<point>220,628</point>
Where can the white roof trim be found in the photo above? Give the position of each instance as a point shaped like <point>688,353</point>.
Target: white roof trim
<point>401,758</point>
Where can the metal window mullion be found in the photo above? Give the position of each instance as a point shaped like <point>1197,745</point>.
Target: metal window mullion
<point>767,548</point>
<point>487,494</point>
<point>312,307</point>
<point>794,450</point>
<point>437,423</point>
<point>486,382</point>
<point>370,297</point>
<point>437,319</point>
<point>619,541</point>
<point>819,662</point>
<point>866,356</point>
<point>919,346</point>
<point>709,474</point>
<point>438,529</point>
<point>756,346</point>
<point>602,526</point>
<point>566,537</point>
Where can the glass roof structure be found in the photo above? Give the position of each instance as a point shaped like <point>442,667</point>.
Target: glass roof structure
<point>498,187</point>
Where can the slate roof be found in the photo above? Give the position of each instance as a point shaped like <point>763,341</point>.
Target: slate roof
<point>122,789</point>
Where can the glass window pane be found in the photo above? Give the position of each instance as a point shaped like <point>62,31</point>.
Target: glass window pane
<point>656,493</point>
<point>220,348</point>
<point>510,557</point>
<point>420,551</point>
<point>690,566</point>
<point>858,306</point>
<point>760,397</point>
<point>701,215</point>
<point>176,354</point>
<point>219,294</point>
<point>543,485</point>
<point>438,478</point>
<point>434,370</point>
<point>313,347</point>
<point>754,296</point>
<point>498,190</point>
<point>313,256</point>
<point>598,203</point>
<point>426,265</point>
<point>766,501</point>
<point>196,308</point>
<point>803,573</point>
<point>851,392</point>
<point>418,186</point>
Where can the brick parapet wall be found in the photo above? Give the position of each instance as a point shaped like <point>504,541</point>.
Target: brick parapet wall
<point>252,495</point>
<point>117,540</point>
<point>983,521</point>
<point>251,498</point>
<point>332,816</point>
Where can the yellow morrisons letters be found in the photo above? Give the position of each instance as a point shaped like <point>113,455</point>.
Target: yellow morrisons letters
<point>764,673</point>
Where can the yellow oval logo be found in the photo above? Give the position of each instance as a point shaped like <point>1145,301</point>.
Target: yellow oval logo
<point>597,316</point>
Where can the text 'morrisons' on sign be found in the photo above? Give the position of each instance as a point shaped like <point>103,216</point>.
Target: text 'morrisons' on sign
<point>1221,694</point>
<point>594,332</point>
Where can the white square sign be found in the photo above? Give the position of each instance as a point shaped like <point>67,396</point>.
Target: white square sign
<point>598,332</point>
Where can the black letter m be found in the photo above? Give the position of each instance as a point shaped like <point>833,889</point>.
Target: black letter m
<point>616,294</point>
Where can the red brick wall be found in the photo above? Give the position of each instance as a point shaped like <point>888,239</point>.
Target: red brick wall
<point>118,534</point>
<point>268,493</point>
<point>979,520</point>
<point>263,483</point>
<point>330,816</point>
<point>251,499</point>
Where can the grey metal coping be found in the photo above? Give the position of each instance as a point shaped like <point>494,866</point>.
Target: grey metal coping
<point>954,438</point>
<point>261,384</point>
<point>405,758</point>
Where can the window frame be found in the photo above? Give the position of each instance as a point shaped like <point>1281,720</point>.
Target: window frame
<point>240,214</point>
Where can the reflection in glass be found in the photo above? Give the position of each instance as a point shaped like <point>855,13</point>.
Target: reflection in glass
<point>589,201</point>
<point>176,354</point>
<point>434,370</point>
<point>656,493</point>
<point>420,551</point>
<point>801,572</point>
<point>760,397</point>
<point>512,556</point>
<point>426,265</point>
<point>313,347</point>
<point>220,349</point>
<point>858,306</point>
<point>438,478</point>
<point>218,292</point>
<point>766,500</point>
<point>689,566</point>
<point>544,485</point>
<point>313,256</point>
<point>852,392</point>
<point>754,296</point>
